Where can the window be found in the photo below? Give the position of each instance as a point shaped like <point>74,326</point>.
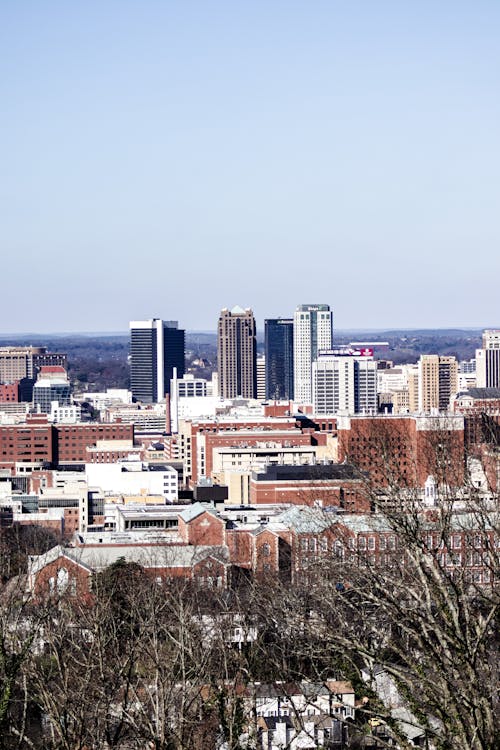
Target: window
<point>62,580</point>
<point>266,549</point>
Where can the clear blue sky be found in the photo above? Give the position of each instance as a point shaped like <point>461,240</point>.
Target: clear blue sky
<point>172,158</point>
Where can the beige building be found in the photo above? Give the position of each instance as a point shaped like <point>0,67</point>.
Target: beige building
<point>18,362</point>
<point>237,353</point>
<point>437,382</point>
<point>401,401</point>
<point>412,375</point>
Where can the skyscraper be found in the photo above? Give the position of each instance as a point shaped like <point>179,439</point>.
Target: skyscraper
<point>312,331</point>
<point>278,344</point>
<point>488,361</point>
<point>156,347</point>
<point>437,382</point>
<point>344,381</point>
<point>237,353</point>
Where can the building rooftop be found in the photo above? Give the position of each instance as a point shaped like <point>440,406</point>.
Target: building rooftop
<point>153,556</point>
<point>481,393</point>
<point>195,510</point>
<point>320,472</point>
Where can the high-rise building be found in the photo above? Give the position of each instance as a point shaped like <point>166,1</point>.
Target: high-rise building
<point>437,382</point>
<point>156,347</point>
<point>237,353</point>
<point>19,362</point>
<point>344,382</point>
<point>488,360</point>
<point>278,333</point>
<point>312,331</point>
<point>260,393</point>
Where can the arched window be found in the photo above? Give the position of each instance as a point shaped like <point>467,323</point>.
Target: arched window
<point>62,580</point>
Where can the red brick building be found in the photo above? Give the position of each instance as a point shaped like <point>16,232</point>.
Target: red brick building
<point>9,393</point>
<point>72,441</point>
<point>402,451</point>
<point>32,442</point>
<point>481,410</point>
<point>199,526</point>
<point>37,441</point>
<point>68,571</point>
<point>198,439</point>
<point>319,485</point>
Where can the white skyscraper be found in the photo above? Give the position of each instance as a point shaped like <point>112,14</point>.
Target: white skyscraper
<point>312,331</point>
<point>488,361</point>
<point>344,382</point>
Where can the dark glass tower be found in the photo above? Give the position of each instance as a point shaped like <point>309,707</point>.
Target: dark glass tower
<point>173,351</point>
<point>156,347</point>
<point>279,358</point>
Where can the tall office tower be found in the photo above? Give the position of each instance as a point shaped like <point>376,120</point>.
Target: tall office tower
<point>174,351</point>
<point>344,382</point>
<point>278,345</point>
<point>260,393</point>
<point>312,331</point>
<point>488,361</point>
<point>156,347</point>
<point>365,385</point>
<point>437,382</point>
<point>237,353</point>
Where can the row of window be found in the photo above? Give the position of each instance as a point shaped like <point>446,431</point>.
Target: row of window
<point>312,544</point>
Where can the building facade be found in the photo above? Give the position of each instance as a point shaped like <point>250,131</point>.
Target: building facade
<point>51,388</point>
<point>156,347</point>
<point>312,331</point>
<point>19,362</point>
<point>344,383</point>
<point>488,361</point>
<point>278,333</point>
<point>437,382</point>
<point>237,353</point>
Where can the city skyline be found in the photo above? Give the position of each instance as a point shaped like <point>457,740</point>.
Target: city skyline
<point>159,151</point>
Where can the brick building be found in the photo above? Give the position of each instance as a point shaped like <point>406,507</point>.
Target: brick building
<point>320,485</point>
<point>481,410</point>
<point>72,441</point>
<point>402,451</point>
<point>198,439</point>
<point>9,393</point>
<point>32,442</point>
<point>467,548</point>
<point>62,570</point>
<point>300,543</point>
<point>38,442</point>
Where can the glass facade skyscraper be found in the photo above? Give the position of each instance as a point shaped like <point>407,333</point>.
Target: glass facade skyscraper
<point>156,347</point>
<point>278,344</point>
